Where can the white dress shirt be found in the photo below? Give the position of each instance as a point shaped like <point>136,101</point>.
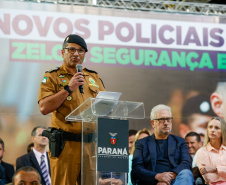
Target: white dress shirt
<point>38,157</point>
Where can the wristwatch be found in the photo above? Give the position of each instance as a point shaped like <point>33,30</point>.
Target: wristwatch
<point>67,89</point>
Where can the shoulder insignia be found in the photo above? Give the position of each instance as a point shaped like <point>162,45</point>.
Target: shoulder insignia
<point>52,70</point>
<point>91,71</point>
<point>44,80</point>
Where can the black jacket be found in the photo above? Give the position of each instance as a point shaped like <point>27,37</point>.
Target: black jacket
<point>9,171</point>
<point>30,160</point>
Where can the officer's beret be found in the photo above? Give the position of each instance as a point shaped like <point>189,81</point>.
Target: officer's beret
<point>73,38</point>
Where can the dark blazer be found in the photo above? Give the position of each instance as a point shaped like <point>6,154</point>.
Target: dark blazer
<point>30,160</point>
<point>144,158</point>
<point>9,171</point>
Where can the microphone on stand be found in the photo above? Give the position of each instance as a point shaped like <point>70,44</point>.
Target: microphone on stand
<point>79,69</point>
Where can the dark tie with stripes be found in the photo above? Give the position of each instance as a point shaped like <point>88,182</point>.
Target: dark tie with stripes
<point>44,170</point>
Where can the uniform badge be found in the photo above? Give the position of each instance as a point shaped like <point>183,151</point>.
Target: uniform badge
<point>64,80</point>
<point>69,98</point>
<point>93,83</point>
<point>44,80</point>
<point>63,84</point>
<point>61,76</point>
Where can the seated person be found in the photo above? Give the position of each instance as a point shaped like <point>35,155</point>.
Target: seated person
<point>194,143</point>
<point>211,158</point>
<point>26,175</point>
<point>30,147</point>
<point>132,134</point>
<point>139,135</point>
<point>162,158</point>
<point>6,169</point>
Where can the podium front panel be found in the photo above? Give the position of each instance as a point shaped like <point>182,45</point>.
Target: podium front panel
<point>89,164</point>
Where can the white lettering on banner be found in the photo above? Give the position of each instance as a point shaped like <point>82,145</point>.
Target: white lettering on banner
<point>117,152</point>
<point>53,26</point>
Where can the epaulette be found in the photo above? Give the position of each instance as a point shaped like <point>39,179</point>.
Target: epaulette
<point>102,82</point>
<point>51,70</point>
<point>91,71</point>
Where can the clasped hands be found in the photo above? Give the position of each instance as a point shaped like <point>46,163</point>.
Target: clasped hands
<point>165,178</point>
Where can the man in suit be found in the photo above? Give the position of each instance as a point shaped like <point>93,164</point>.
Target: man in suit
<point>6,170</point>
<point>38,157</point>
<point>162,158</point>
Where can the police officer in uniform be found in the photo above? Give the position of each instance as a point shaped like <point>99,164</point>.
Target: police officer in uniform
<point>59,94</point>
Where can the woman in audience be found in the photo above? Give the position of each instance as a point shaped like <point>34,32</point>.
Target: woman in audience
<point>139,135</point>
<point>211,158</point>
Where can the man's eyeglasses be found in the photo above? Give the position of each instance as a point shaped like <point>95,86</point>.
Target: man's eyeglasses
<point>162,120</point>
<point>73,50</point>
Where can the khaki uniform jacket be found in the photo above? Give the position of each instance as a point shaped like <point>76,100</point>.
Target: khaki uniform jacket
<point>55,80</point>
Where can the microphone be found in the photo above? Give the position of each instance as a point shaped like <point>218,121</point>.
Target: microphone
<point>79,69</point>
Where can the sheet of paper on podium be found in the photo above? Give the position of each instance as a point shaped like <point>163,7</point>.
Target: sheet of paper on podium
<point>106,102</point>
<point>109,95</point>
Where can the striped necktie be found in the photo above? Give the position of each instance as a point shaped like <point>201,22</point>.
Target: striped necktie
<point>44,170</point>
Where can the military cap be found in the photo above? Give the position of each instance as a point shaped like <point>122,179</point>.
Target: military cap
<point>73,38</point>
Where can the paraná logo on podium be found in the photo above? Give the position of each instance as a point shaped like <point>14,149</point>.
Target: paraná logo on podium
<point>113,138</point>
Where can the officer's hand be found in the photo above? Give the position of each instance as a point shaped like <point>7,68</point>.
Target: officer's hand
<point>76,81</point>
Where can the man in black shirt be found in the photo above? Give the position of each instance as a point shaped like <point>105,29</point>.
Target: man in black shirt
<point>162,158</point>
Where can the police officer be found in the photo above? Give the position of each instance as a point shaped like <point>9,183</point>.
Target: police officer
<point>59,93</point>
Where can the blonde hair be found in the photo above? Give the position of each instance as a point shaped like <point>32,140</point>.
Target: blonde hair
<point>142,131</point>
<point>223,131</point>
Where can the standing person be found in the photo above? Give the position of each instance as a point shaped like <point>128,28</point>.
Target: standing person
<point>37,157</point>
<point>26,175</point>
<point>132,134</point>
<point>161,158</point>
<point>211,158</point>
<point>59,94</point>
<point>6,170</point>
